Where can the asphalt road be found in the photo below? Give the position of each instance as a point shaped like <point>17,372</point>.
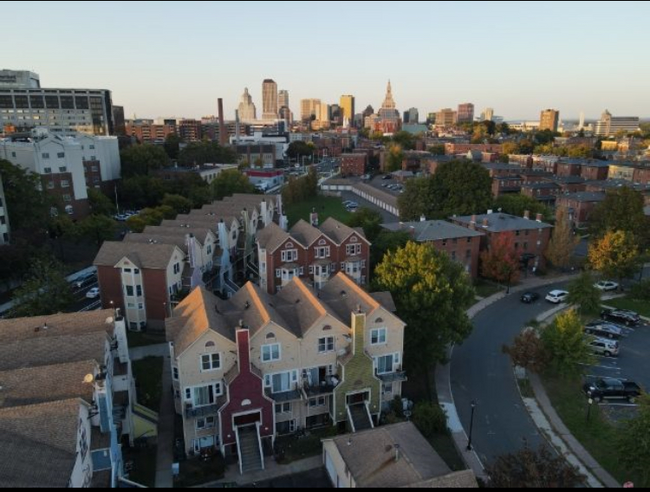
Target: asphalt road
<point>81,302</point>
<point>480,372</point>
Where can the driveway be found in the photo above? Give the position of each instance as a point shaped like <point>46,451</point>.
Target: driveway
<point>480,372</point>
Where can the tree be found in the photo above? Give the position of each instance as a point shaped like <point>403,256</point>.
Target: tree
<point>518,204</point>
<point>45,291</point>
<point>584,295</point>
<point>430,419</point>
<point>387,241</point>
<point>135,223</point>
<point>200,153</point>
<point>622,210</point>
<point>431,293</point>
<point>566,345</point>
<point>417,200</point>
<point>509,148</point>
<point>140,160</point>
<point>394,158</point>
<point>172,146</point>
<point>301,189</point>
<point>563,242</point>
<point>438,149</point>
<point>26,206</point>
<point>634,442</point>
<point>369,220</point>
<point>533,469</point>
<point>298,149</point>
<point>500,262</point>
<point>528,351</point>
<point>99,203</point>
<point>227,183</point>
<point>141,191</point>
<point>616,255</point>
<point>180,204</point>
<point>97,228</point>
<point>405,140</point>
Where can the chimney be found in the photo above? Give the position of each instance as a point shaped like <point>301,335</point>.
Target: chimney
<point>527,215</point>
<point>539,218</point>
<point>313,218</point>
<point>486,223</point>
<point>358,332</point>
<point>243,350</point>
<point>472,223</point>
<point>223,134</point>
<point>423,218</point>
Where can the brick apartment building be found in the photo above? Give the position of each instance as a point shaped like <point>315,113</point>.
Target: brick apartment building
<point>464,148</point>
<point>595,171</point>
<point>354,164</point>
<point>580,206</point>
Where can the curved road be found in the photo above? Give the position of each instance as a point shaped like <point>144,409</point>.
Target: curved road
<point>480,372</point>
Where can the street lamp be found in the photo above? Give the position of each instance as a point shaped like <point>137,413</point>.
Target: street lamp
<point>471,426</point>
<point>591,402</point>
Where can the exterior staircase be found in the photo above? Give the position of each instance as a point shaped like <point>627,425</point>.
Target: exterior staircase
<point>360,418</point>
<point>249,450</point>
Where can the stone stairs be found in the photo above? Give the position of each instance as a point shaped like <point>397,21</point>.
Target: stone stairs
<point>360,418</point>
<point>249,447</point>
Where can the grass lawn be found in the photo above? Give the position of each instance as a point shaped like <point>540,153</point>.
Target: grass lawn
<point>197,472</point>
<point>325,206</point>
<point>292,448</point>
<point>597,435</point>
<point>148,381</point>
<point>486,289</point>
<point>137,339</point>
<point>641,307</point>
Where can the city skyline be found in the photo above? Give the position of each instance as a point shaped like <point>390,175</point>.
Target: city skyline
<point>520,75</point>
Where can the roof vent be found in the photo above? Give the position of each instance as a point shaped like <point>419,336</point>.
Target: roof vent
<point>44,326</point>
<point>247,305</point>
<point>344,294</point>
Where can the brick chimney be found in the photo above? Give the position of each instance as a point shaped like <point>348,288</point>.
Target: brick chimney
<point>243,350</point>
<point>539,217</point>
<point>472,223</point>
<point>223,134</point>
<point>313,217</point>
<point>527,215</point>
<point>486,223</point>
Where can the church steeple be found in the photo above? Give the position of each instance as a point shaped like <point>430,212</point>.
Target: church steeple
<point>389,103</point>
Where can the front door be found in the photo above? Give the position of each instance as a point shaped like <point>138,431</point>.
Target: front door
<point>358,398</point>
<point>249,419</point>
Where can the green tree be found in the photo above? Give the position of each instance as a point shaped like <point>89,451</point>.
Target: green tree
<point>634,442</point>
<point>369,220</point>
<point>566,345</point>
<point>584,296</point>
<point>616,255</point>
<point>230,182</point>
<point>438,149</point>
<point>430,419</point>
<point>518,204</point>
<point>26,206</point>
<point>539,469</point>
<point>417,200</point>
<point>405,140</point>
<point>135,223</point>
<point>431,293</point>
<point>563,242</point>
<point>387,241</point>
<point>172,146</point>
<point>622,210</point>
<point>97,228</point>
<point>140,160</point>
<point>297,150</point>
<point>200,153</point>
<point>141,191</point>
<point>99,203</point>
<point>394,158</point>
<point>46,291</point>
<point>500,261</point>
<point>180,204</point>
<point>528,351</point>
<point>509,148</point>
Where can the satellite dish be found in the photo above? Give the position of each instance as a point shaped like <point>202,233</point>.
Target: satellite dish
<point>89,379</point>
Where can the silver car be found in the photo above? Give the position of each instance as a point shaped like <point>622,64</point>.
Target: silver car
<point>605,347</point>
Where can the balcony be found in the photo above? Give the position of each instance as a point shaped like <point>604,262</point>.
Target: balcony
<point>322,388</point>
<point>284,397</point>
<point>193,412</point>
<point>392,377</point>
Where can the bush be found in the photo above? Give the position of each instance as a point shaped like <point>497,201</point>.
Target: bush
<point>430,419</point>
<point>641,291</point>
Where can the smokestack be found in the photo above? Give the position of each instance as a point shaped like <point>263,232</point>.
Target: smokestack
<point>237,125</point>
<point>223,135</point>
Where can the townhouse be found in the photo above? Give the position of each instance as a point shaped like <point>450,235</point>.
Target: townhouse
<point>67,400</point>
<point>312,252</point>
<point>580,206</point>
<point>253,367</point>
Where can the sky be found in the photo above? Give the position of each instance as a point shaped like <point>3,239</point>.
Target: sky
<point>176,58</point>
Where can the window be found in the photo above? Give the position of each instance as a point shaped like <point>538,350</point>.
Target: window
<point>138,290</point>
<point>271,353</point>
<point>65,183</point>
<point>323,252</point>
<point>175,375</point>
<point>289,255</point>
<point>136,272</point>
<point>385,364</point>
<point>387,389</point>
<point>50,185</point>
<point>353,249</point>
<point>61,155</point>
<point>378,336</point>
<point>325,345</point>
<point>278,273</point>
<point>127,270</point>
<point>283,408</point>
<point>129,290</point>
<point>204,423</point>
<point>45,155</point>
<point>177,268</point>
<point>204,396</point>
<point>63,169</point>
<point>280,383</point>
<point>210,362</point>
<point>317,402</point>
<point>91,147</point>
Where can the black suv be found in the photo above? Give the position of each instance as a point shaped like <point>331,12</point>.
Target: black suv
<point>628,318</point>
<point>600,329</point>
<point>529,297</point>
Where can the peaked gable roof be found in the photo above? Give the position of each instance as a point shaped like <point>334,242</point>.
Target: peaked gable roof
<point>338,231</point>
<point>305,233</point>
<point>144,256</point>
<point>272,237</point>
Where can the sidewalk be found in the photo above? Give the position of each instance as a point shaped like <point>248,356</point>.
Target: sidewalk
<point>443,374</point>
<point>272,471</point>
<point>165,450</point>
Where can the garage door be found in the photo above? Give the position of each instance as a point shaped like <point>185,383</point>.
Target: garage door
<point>331,470</point>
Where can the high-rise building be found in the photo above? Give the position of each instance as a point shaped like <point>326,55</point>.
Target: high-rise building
<point>4,217</point>
<point>120,123</point>
<point>283,99</point>
<point>309,109</point>
<point>611,125</point>
<point>446,117</point>
<point>368,111</point>
<point>269,100</point>
<point>323,115</point>
<point>190,130</point>
<point>347,108</point>
<point>581,125</point>
<point>388,117</point>
<point>25,105</point>
<point>247,110</point>
<point>412,116</point>
<point>488,114</point>
<point>336,115</point>
<point>465,113</point>
<point>549,120</point>
<point>285,114</point>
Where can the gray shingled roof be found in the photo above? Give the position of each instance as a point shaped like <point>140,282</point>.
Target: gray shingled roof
<point>272,237</point>
<point>337,231</point>
<point>145,256</point>
<point>585,196</point>
<point>500,222</point>
<point>305,233</point>
<point>370,456</point>
<point>432,230</point>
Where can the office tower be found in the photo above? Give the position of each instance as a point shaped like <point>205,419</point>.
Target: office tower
<point>549,120</point>
<point>347,107</point>
<point>309,109</point>
<point>269,100</point>
<point>446,117</point>
<point>388,118</point>
<point>581,125</point>
<point>247,110</point>
<point>610,125</point>
<point>283,99</point>
<point>412,116</point>
<point>488,114</point>
<point>465,113</point>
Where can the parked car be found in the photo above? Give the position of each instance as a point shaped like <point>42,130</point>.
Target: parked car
<point>628,318</point>
<point>606,285</point>
<point>603,346</point>
<point>529,297</point>
<point>601,329</point>
<point>93,293</point>
<point>86,280</point>
<point>557,296</point>
<point>387,177</point>
<point>607,388</point>
<point>121,217</point>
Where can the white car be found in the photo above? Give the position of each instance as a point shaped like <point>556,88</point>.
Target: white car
<point>606,285</point>
<point>93,293</point>
<point>557,296</point>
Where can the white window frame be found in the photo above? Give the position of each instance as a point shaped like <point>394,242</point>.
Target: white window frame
<point>278,273</point>
<point>317,402</point>
<point>210,362</point>
<point>285,408</point>
<point>376,333</point>
<point>395,362</point>
<point>292,380</point>
<point>324,344</point>
<point>267,353</point>
<point>216,393</point>
<point>206,425</point>
<point>289,255</point>
<point>353,249</point>
<point>323,252</point>
<point>175,374</point>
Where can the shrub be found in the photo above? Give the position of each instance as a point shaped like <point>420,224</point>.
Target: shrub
<point>641,291</point>
<point>430,419</point>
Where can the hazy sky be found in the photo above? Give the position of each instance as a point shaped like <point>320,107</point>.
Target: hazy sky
<point>176,59</point>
